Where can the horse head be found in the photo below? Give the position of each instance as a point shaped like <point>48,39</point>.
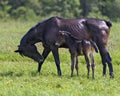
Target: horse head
<point>31,52</point>
<point>27,45</point>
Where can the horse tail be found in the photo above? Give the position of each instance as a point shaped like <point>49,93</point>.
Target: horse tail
<point>109,23</point>
<point>94,46</point>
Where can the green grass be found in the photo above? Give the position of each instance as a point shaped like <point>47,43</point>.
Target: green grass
<point>18,76</point>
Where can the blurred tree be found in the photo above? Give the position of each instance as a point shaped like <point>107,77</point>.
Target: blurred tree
<point>23,9</point>
<point>4,8</point>
<point>110,8</point>
<point>85,7</point>
<point>64,8</point>
<point>34,9</point>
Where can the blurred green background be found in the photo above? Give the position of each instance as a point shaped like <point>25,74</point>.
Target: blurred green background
<point>38,9</point>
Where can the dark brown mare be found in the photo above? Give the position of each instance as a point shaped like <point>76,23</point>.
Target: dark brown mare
<point>47,31</point>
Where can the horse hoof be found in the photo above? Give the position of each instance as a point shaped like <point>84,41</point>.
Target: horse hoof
<point>71,75</point>
<point>111,75</point>
<point>59,73</point>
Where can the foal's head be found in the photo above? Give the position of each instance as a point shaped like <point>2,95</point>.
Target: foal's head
<point>64,37</point>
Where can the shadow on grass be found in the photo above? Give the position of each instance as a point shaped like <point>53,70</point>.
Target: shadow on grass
<point>10,74</point>
<point>35,74</point>
<point>19,74</point>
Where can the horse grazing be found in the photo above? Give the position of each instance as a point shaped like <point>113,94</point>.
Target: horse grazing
<point>76,48</point>
<point>47,31</point>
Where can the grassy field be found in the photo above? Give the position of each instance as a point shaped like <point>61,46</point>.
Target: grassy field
<point>18,75</point>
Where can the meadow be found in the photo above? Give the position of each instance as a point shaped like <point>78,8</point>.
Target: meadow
<point>18,76</point>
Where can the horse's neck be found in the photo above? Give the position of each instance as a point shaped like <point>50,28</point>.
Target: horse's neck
<point>79,48</point>
<point>70,41</point>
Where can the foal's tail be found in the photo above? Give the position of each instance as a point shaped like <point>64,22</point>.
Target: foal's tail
<point>94,46</point>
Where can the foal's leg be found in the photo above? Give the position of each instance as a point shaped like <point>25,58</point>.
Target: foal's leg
<point>92,64</point>
<point>45,53</point>
<point>87,64</point>
<point>76,66</point>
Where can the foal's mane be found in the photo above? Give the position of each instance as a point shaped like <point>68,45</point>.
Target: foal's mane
<point>68,33</point>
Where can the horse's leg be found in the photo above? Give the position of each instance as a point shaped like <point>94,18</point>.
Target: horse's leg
<point>102,51</point>
<point>109,61</point>
<point>45,53</point>
<point>92,64</point>
<point>76,66</point>
<point>56,58</point>
<point>104,64</point>
<point>72,64</point>
<point>106,59</point>
<point>87,64</point>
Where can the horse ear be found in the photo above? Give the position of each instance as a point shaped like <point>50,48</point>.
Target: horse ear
<point>17,51</point>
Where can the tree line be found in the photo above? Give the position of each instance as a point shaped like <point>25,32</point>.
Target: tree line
<point>35,9</point>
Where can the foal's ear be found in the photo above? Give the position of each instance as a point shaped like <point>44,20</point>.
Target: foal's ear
<point>61,32</point>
